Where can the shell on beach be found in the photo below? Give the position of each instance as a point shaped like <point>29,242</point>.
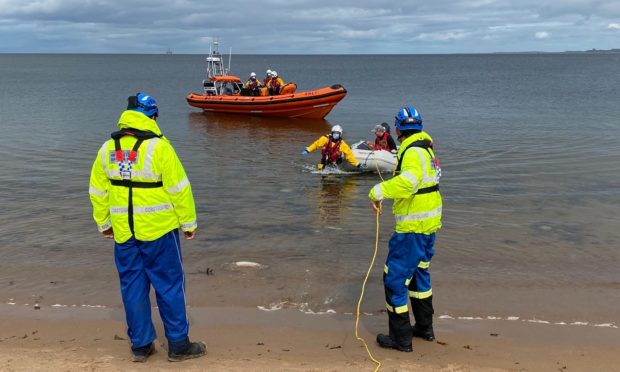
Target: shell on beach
<point>248,264</point>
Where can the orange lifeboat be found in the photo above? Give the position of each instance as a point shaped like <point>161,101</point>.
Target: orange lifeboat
<point>314,104</point>
<point>222,93</point>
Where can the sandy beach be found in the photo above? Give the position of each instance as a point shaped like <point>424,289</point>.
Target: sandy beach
<point>242,339</point>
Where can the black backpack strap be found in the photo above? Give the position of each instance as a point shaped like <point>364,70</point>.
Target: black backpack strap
<point>426,190</point>
<point>140,136</point>
<point>137,184</point>
<point>425,144</point>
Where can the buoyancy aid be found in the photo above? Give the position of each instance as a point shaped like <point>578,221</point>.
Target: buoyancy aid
<point>331,151</point>
<point>157,209</point>
<point>415,211</point>
<point>381,143</point>
<point>428,146</point>
<point>252,84</point>
<point>276,83</point>
<point>125,159</point>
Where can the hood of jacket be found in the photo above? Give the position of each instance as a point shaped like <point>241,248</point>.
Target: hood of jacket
<point>411,139</point>
<point>137,120</point>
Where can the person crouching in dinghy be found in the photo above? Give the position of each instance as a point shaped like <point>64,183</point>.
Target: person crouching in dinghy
<point>383,139</point>
<point>333,150</point>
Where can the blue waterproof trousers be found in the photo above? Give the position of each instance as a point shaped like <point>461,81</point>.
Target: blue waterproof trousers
<point>405,277</point>
<point>158,263</point>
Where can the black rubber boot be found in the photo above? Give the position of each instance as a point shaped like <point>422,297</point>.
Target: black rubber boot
<point>387,342</point>
<point>423,314</point>
<point>192,350</point>
<point>425,333</point>
<point>400,336</point>
<point>141,354</point>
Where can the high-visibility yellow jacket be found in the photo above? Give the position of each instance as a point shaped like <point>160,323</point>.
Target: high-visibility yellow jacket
<point>344,149</point>
<point>156,211</point>
<point>414,213</point>
<point>276,83</point>
<point>252,84</point>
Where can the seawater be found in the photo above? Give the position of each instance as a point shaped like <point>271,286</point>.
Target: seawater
<point>529,150</point>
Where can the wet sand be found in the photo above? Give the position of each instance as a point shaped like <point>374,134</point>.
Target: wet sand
<point>242,339</point>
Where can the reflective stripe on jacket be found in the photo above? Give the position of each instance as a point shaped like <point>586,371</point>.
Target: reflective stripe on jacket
<point>344,149</point>
<point>156,210</point>
<point>414,213</point>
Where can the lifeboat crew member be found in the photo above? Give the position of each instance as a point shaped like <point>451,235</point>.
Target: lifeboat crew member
<point>333,149</point>
<point>267,78</point>
<point>417,208</point>
<point>252,85</point>
<point>383,139</point>
<point>141,196</point>
<point>275,84</point>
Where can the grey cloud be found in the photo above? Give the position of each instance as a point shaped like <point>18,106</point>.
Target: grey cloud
<point>279,26</point>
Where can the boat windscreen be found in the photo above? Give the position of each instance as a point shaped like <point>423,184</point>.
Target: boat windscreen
<point>362,146</point>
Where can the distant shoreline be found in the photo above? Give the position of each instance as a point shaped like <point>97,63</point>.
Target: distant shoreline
<point>591,51</point>
<point>168,53</point>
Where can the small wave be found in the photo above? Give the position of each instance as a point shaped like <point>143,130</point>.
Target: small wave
<point>537,321</point>
<point>328,171</point>
<point>301,306</point>
<point>273,307</point>
<point>38,306</point>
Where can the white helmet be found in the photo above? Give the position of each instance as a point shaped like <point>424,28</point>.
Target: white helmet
<point>337,128</point>
<point>253,74</point>
<point>268,72</point>
<point>274,74</point>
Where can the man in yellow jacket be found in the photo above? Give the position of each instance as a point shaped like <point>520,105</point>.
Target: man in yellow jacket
<point>417,209</point>
<point>275,84</point>
<point>252,86</point>
<point>141,196</point>
<point>333,149</point>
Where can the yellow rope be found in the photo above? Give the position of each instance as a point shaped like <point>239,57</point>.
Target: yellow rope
<point>374,256</point>
<point>359,302</point>
<point>378,171</point>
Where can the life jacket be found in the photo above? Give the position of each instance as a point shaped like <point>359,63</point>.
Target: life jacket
<point>381,143</point>
<point>330,153</point>
<point>428,146</point>
<point>252,84</point>
<point>276,83</point>
<point>125,161</point>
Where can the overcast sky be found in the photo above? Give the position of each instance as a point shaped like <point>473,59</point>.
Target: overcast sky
<point>310,27</point>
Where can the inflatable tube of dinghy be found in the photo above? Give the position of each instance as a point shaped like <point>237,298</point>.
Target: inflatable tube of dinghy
<point>288,88</point>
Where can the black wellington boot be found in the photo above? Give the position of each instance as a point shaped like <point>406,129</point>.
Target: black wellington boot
<point>425,333</point>
<point>423,315</point>
<point>386,342</point>
<point>399,337</point>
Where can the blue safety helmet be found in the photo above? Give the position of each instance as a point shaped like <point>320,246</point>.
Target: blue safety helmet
<point>143,103</point>
<point>408,118</point>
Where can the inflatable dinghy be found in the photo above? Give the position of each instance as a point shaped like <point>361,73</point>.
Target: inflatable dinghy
<point>373,161</point>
